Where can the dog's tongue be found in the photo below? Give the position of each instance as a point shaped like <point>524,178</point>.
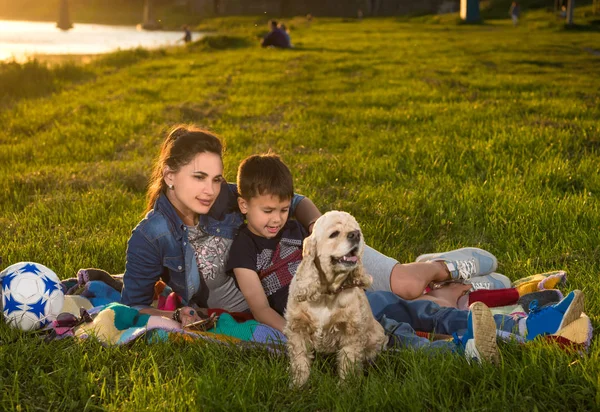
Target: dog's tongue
<point>350,258</point>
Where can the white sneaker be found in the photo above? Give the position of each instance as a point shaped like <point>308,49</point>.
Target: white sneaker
<point>464,263</point>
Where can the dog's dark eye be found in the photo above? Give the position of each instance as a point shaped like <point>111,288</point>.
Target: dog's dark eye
<point>334,234</point>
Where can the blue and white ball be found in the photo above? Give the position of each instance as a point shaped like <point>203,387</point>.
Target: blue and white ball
<point>31,295</point>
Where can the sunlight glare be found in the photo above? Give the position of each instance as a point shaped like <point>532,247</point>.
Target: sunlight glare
<point>19,39</point>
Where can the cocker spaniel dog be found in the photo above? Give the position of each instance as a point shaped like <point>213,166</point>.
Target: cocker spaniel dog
<point>327,309</point>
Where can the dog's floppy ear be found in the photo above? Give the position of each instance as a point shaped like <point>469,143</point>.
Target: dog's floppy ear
<point>307,275</point>
<point>309,247</point>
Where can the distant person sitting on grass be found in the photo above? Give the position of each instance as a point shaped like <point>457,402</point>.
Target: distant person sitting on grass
<point>276,37</point>
<point>283,28</point>
<point>267,251</point>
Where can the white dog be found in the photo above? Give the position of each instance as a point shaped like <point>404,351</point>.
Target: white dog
<point>327,309</point>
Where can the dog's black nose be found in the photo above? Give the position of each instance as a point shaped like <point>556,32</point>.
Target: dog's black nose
<point>354,236</point>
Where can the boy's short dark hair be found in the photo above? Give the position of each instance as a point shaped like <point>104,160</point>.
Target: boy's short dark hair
<point>264,174</point>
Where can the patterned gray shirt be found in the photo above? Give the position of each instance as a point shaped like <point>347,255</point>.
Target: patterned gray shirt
<point>217,290</point>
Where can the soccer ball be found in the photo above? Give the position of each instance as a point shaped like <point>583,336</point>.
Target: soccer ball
<point>31,295</point>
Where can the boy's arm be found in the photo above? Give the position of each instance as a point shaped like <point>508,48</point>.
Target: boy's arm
<point>254,293</point>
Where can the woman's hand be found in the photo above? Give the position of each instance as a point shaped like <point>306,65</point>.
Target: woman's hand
<point>189,315</point>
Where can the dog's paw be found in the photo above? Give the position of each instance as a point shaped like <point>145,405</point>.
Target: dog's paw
<point>298,381</point>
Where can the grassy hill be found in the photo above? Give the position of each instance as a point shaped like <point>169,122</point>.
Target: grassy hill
<point>434,135</point>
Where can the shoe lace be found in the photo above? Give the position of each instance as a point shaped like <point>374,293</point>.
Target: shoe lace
<point>481,285</point>
<point>466,268</point>
<point>534,309</point>
<point>461,344</point>
<point>533,306</point>
<point>457,341</point>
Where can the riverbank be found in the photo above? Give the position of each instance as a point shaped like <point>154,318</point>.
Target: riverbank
<point>435,135</point>
<point>19,40</point>
<point>62,59</point>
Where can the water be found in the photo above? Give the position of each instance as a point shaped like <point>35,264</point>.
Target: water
<point>20,40</point>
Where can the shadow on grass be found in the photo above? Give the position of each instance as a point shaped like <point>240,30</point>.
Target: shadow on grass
<point>299,47</point>
<point>189,112</point>
<point>593,26</point>
<point>540,63</point>
<point>498,9</point>
<point>220,42</point>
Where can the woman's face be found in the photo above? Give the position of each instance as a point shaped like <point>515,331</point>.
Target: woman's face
<point>195,186</point>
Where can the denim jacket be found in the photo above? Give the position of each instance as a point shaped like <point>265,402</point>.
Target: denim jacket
<point>159,249</point>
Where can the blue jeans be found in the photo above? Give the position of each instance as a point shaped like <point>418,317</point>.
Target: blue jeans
<point>400,318</point>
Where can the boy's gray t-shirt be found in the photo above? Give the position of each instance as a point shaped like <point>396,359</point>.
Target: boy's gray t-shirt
<point>217,290</point>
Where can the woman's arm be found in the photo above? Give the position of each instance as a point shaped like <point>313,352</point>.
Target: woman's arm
<point>254,293</point>
<point>307,213</point>
<point>143,269</point>
<point>187,314</point>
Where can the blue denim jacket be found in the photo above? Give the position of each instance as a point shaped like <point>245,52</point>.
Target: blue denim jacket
<point>159,249</point>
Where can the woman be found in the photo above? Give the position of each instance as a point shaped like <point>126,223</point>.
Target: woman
<point>193,217</point>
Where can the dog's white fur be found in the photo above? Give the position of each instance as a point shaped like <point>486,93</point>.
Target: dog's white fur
<point>327,309</point>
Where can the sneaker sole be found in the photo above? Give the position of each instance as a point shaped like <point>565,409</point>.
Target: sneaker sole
<point>578,331</point>
<point>574,311</point>
<point>484,332</point>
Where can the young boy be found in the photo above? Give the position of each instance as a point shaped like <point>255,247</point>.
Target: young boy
<point>268,249</point>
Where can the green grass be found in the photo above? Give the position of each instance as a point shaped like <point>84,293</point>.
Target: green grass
<point>434,135</point>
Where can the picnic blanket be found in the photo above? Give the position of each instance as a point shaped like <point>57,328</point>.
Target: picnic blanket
<point>542,281</point>
<point>119,324</point>
<point>114,323</point>
<point>99,294</point>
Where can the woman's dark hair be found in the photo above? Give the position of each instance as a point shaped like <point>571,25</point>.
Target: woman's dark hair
<point>182,144</point>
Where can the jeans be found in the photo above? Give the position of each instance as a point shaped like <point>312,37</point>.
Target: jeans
<point>400,318</point>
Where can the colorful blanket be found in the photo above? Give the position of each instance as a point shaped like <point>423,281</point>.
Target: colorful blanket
<point>118,324</point>
<point>113,323</point>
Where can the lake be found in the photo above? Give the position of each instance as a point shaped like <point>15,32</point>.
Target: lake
<point>21,39</point>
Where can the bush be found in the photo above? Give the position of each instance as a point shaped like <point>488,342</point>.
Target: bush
<point>123,58</point>
<point>34,79</point>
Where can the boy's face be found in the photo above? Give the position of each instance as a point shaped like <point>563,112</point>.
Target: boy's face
<point>265,214</point>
